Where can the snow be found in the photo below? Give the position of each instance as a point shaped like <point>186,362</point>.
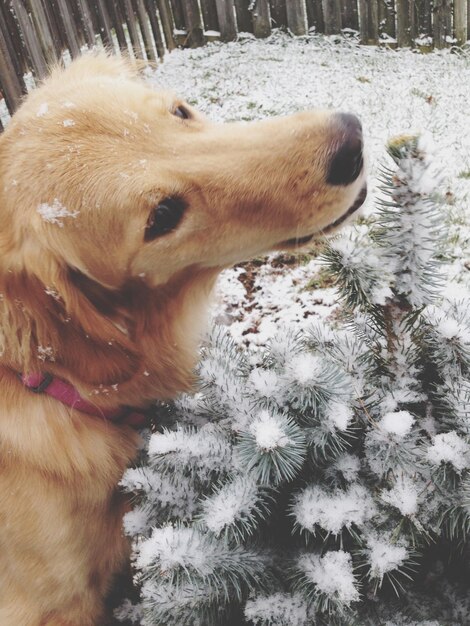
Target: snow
<point>268,432</point>
<point>46,353</point>
<point>135,521</point>
<point>283,609</point>
<point>384,556</point>
<point>347,248</point>
<point>172,548</point>
<point>332,574</point>
<point>398,423</point>
<point>426,174</point>
<point>129,611</point>
<point>448,328</point>
<point>449,448</point>
<point>235,501</point>
<point>211,371</point>
<point>203,451</point>
<point>305,368</point>
<point>43,109</point>
<point>449,322</point>
<point>53,293</point>
<point>68,122</point>
<point>403,495</point>
<point>339,415</point>
<point>55,213</point>
<point>279,297</point>
<point>380,294</point>
<point>266,382</point>
<point>163,444</point>
<point>348,465</point>
<point>178,497</point>
<point>333,510</point>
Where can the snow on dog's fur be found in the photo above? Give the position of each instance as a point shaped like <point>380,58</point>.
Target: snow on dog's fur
<point>119,206</point>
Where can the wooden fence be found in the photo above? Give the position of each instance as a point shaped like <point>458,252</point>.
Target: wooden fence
<point>36,33</point>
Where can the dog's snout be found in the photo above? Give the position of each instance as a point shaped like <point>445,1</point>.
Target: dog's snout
<point>347,162</point>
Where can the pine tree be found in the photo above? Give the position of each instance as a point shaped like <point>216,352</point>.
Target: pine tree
<point>314,483</point>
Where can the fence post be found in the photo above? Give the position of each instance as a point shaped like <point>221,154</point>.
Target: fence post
<point>244,17</point>
<point>193,20</point>
<point>374,21</point>
<point>209,15</point>
<point>178,14</point>
<point>387,14</point>
<point>146,30</point>
<point>460,21</point>
<point>227,21</point>
<point>279,12</point>
<point>50,47</point>
<point>349,14</point>
<point>54,22</point>
<point>315,16</point>
<point>426,18</point>
<point>369,21</point>
<point>297,17</point>
<point>132,29</point>
<point>31,41</point>
<point>105,25</point>
<point>117,22</point>
<point>404,14</point>
<point>167,23</point>
<point>332,16</point>
<point>468,17</point>
<point>12,83</point>
<point>157,33</point>
<point>261,18</point>
<point>87,22</point>
<point>441,11</point>
<point>69,27</point>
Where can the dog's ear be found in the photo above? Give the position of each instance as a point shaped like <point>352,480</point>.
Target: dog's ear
<point>49,321</point>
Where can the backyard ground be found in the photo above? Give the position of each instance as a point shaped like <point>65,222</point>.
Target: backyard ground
<point>393,92</point>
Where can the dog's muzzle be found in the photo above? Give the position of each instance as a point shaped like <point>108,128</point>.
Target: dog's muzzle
<point>300,241</point>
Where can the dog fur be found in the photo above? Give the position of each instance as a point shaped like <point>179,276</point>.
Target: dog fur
<point>84,297</point>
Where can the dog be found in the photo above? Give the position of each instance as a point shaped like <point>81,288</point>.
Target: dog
<point>119,207</point>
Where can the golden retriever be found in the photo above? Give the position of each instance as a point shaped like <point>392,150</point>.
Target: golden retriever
<point>119,206</point>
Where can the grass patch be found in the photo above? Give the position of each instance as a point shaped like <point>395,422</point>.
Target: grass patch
<point>322,280</point>
<point>422,94</point>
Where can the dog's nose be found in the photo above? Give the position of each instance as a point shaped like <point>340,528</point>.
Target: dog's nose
<point>347,163</point>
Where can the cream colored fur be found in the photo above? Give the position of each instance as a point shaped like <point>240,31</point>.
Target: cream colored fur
<point>88,300</point>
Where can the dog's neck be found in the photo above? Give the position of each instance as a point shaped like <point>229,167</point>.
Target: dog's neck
<point>142,345</point>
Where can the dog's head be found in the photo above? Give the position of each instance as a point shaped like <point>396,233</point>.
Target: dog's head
<point>113,179</point>
<point>106,183</point>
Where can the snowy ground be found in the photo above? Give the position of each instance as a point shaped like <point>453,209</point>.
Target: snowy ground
<point>392,92</point>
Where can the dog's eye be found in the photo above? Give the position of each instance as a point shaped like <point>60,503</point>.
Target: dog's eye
<point>182,112</point>
<point>164,218</point>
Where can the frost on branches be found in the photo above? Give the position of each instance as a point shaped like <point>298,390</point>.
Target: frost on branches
<point>325,480</point>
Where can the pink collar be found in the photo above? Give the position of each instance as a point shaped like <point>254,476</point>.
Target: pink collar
<point>67,394</point>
